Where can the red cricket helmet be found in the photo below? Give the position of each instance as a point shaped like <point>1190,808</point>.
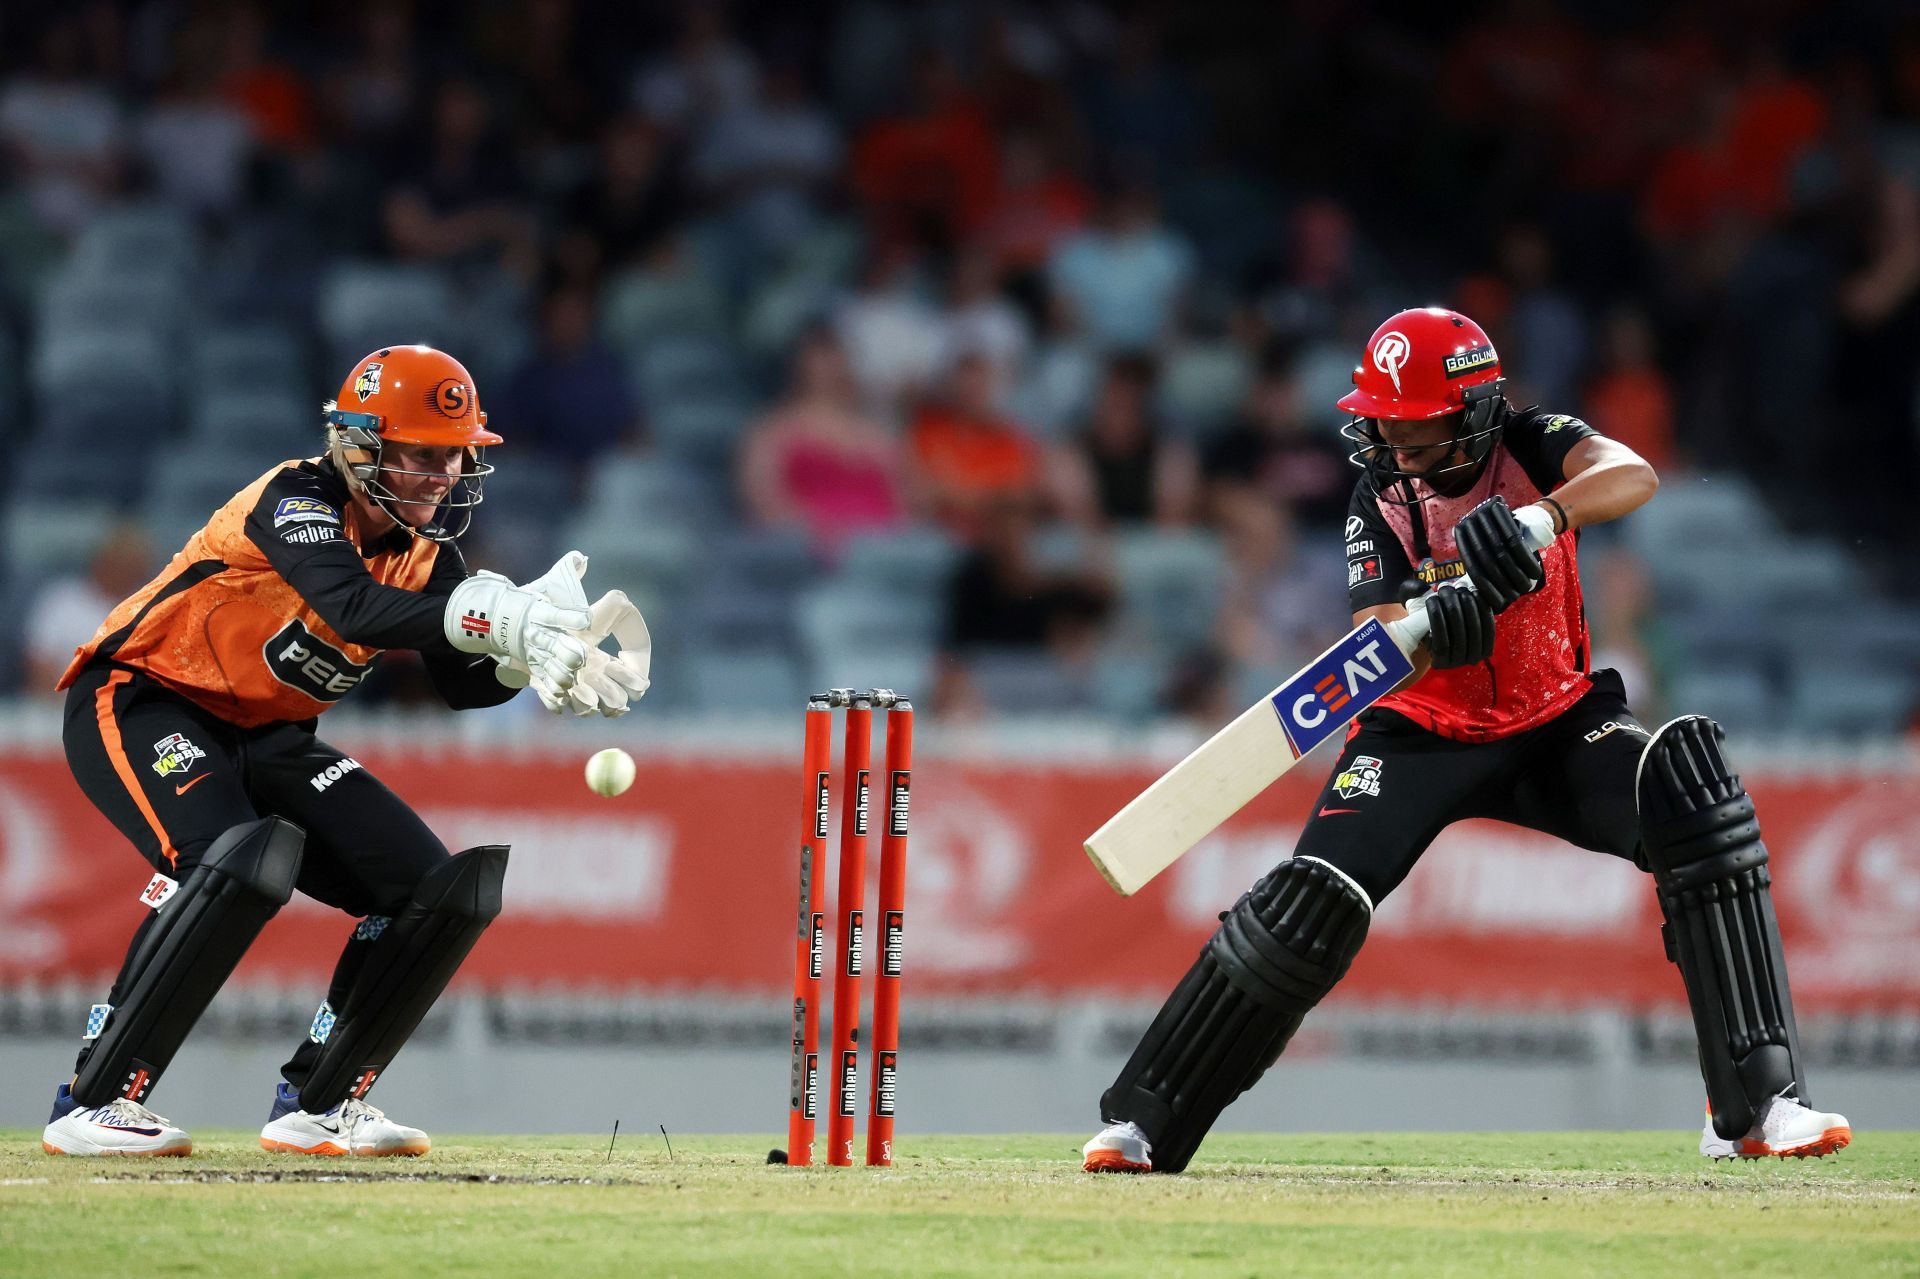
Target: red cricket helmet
<point>1420,365</point>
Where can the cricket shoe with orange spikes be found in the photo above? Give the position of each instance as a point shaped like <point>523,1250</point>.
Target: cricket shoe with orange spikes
<point>1120,1147</point>
<point>351,1128</point>
<point>120,1127</point>
<point>1785,1129</point>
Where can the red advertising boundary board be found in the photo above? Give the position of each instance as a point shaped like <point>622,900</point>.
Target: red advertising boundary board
<point>689,881</point>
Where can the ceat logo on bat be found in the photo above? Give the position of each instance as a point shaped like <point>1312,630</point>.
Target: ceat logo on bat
<point>1343,681</point>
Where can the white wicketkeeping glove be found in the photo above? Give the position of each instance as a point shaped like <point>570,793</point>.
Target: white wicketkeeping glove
<point>607,683</point>
<point>610,683</point>
<point>532,624</point>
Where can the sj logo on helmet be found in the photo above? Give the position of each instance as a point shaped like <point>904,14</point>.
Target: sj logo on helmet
<point>1390,355</point>
<point>303,661</point>
<point>367,385</point>
<point>450,398</point>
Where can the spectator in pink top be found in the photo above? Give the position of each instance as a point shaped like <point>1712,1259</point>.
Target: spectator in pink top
<point>816,462</point>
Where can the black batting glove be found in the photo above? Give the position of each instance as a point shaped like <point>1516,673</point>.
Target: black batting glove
<point>1462,628</point>
<point>1493,547</point>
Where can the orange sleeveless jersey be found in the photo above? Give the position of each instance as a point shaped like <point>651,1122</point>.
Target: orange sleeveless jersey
<point>221,627</point>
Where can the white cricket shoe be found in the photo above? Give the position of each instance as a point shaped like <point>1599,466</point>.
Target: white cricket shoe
<point>1119,1147</point>
<point>120,1127</point>
<point>351,1128</point>
<point>1785,1128</point>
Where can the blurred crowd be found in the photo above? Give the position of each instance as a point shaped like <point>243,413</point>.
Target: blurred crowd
<point>1067,287</point>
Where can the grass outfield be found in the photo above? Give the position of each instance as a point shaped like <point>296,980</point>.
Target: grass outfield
<point>1429,1204</point>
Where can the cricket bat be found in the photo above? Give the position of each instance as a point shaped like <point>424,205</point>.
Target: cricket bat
<point>1226,771</point>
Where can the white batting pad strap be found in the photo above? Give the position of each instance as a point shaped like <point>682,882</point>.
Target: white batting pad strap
<point>1321,861</point>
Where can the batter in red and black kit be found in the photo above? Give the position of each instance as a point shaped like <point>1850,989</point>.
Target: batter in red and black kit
<point>190,723</point>
<point>1502,719</point>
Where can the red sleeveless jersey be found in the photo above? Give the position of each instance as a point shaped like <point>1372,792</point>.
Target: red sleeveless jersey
<point>1541,651</point>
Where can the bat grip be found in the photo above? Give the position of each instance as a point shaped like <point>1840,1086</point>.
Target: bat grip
<point>1410,632</point>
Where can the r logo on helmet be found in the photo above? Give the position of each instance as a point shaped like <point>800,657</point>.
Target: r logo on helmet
<point>450,398</point>
<point>1390,355</point>
<point>367,385</point>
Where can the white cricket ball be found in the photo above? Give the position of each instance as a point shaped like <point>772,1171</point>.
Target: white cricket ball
<point>610,771</point>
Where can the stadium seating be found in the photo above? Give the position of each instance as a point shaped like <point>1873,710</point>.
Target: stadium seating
<point>1170,585</point>
<point>366,305</point>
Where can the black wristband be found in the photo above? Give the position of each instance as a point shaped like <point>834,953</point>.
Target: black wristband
<point>1561,511</point>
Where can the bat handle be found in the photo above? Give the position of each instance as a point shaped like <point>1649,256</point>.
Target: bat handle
<point>1410,632</point>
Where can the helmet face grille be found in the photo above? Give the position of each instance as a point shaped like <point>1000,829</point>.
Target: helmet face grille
<point>358,450</point>
<point>1476,429</point>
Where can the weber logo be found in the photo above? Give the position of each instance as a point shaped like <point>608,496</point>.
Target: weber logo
<point>1467,361</point>
<point>856,942</point>
<point>333,773</point>
<point>820,793</point>
<point>1364,570</point>
<point>308,664</point>
<point>817,946</point>
<point>860,788</point>
<point>892,940</point>
<point>884,1085</point>
<point>849,1078</point>
<point>897,804</point>
<point>806,889</point>
<point>810,1100</point>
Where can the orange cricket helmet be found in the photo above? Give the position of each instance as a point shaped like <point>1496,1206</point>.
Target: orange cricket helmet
<point>410,395</point>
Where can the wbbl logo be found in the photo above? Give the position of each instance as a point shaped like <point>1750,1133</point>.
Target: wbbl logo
<point>897,804</point>
<point>849,1078</point>
<point>1339,684</point>
<point>856,941</point>
<point>885,1084</point>
<point>892,936</point>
